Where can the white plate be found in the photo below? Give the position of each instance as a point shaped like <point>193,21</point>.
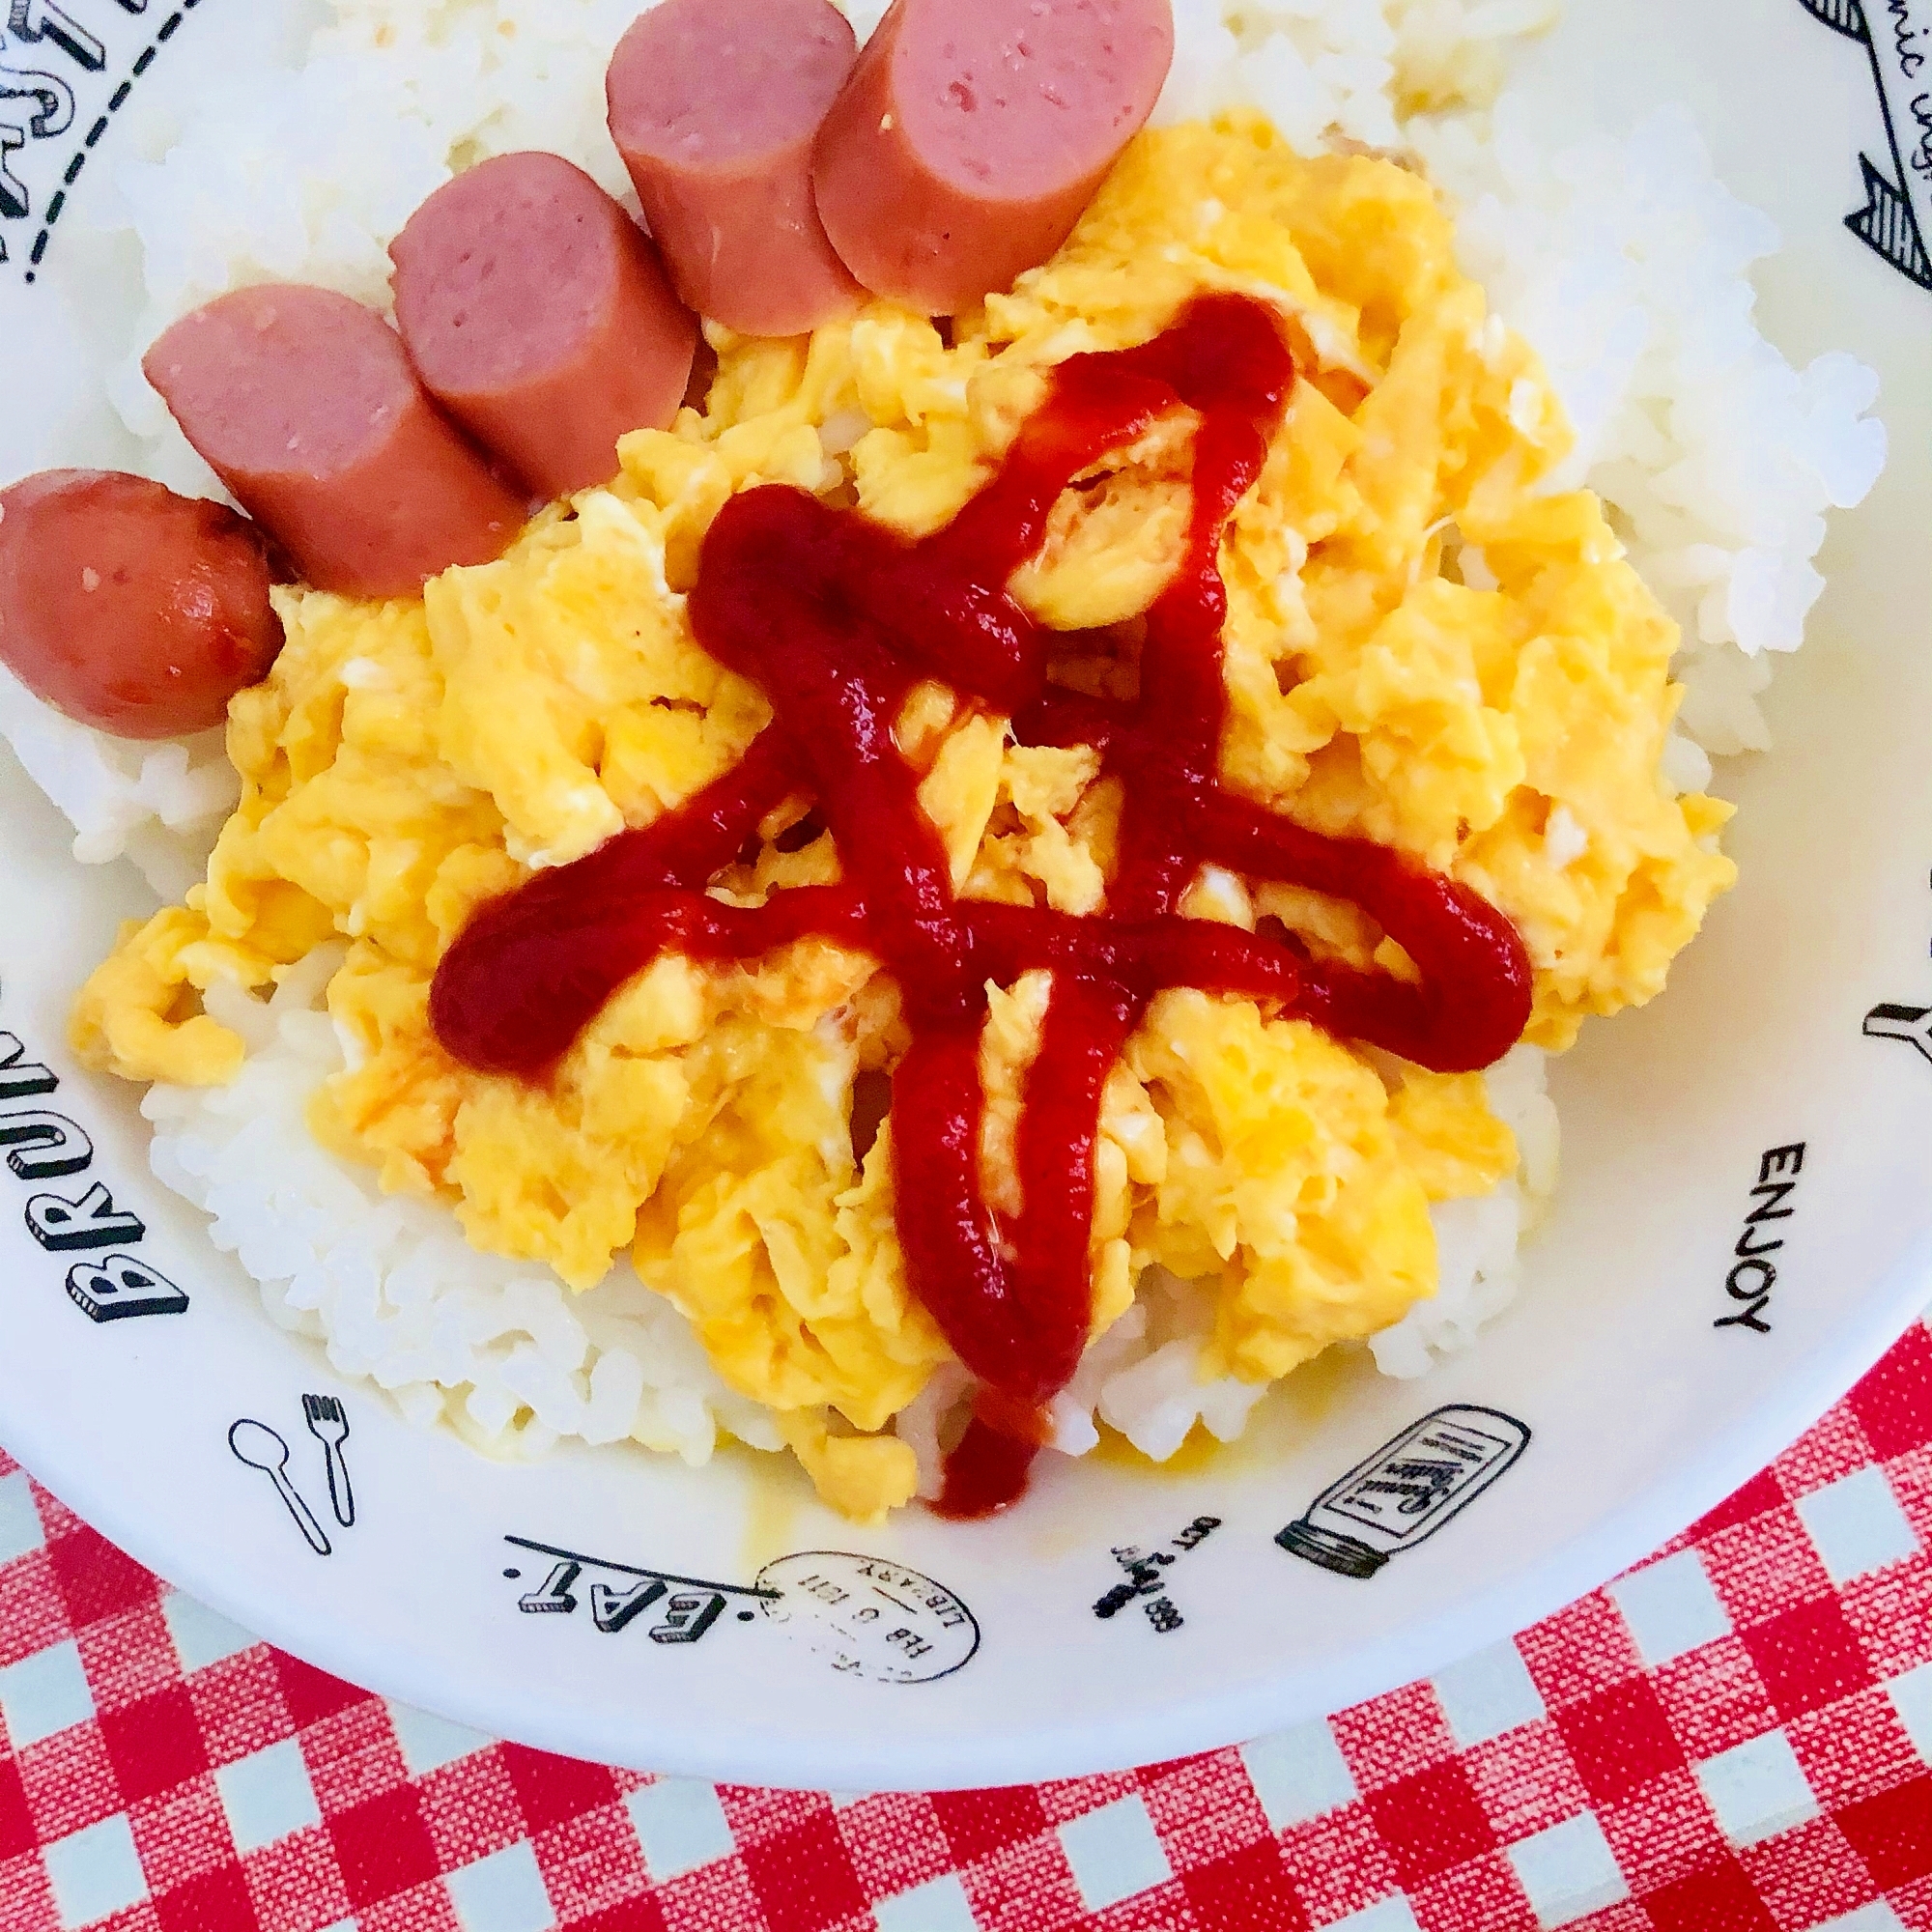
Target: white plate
<point>928,1654</point>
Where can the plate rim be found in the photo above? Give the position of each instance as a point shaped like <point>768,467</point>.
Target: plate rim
<point>1185,1727</point>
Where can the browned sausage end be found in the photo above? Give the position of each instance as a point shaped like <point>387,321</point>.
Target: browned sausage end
<point>129,608</point>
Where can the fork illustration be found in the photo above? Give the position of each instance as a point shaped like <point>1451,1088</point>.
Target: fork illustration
<point>328,1423</point>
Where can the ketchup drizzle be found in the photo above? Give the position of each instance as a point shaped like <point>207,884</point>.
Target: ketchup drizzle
<point>836,618</point>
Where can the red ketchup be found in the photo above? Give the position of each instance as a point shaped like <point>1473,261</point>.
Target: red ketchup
<point>836,618</point>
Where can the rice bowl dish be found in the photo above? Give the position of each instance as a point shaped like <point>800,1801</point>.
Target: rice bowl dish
<point>1631,1369</point>
<point>1713,459</point>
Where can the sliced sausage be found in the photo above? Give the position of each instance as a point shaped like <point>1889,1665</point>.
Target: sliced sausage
<point>129,608</point>
<point>305,404</point>
<point>974,133</point>
<point>538,314</point>
<point>714,105</point>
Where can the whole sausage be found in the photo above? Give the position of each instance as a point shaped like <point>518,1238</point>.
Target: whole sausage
<point>129,608</point>
<point>971,138</point>
<point>537,313</point>
<point>714,107</point>
<point>305,404</point>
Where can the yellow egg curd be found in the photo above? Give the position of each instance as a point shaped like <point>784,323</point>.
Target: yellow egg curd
<point>1423,647</point>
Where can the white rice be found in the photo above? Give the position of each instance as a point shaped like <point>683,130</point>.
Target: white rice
<point>1478,1241</point>
<point>1626,261</point>
<point>1623,260</point>
<point>1323,68</point>
<point>159,804</point>
<point>390,1288</point>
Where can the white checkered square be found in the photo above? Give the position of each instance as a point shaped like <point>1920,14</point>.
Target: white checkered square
<point>1392,1915</point>
<point>680,1825</point>
<point>1670,1608</point>
<point>1911,1698</point>
<point>20,1528</point>
<point>1568,1871</point>
<point>200,1636</point>
<point>1487,1695</point>
<point>1877,1917</point>
<point>1298,1775</point>
<point>1115,1852</point>
<point>1757,1789</point>
<point>939,1907</point>
<point>94,1872</point>
<point>505,1893</point>
<point>44,1694</point>
<point>1857,1525</point>
<point>428,1743</point>
<point>267,1795</point>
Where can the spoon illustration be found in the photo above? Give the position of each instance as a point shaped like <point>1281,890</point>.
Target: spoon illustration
<point>258,1445</point>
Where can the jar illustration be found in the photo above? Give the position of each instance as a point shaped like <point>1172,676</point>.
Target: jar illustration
<point>1407,1490</point>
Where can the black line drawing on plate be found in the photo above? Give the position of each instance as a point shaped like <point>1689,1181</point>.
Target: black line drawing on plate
<point>328,1422</point>
<point>1145,1580</point>
<point>870,1618</point>
<point>862,1615</point>
<point>1911,1024</point>
<point>52,104</point>
<point>49,104</point>
<point>1897,218</point>
<point>687,1617</point>
<point>1752,1276</point>
<point>584,1562</point>
<point>20,1078</point>
<point>91,1222</point>
<point>14,200</point>
<point>260,1447</point>
<point>553,1596</point>
<point>614,1610</point>
<point>688,1605</point>
<point>41,20</point>
<point>43,1146</point>
<point>50,99</point>
<point>119,1286</point>
<point>1407,1490</point>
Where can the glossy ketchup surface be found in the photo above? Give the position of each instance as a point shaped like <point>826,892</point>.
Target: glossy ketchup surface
<point>836,618</point>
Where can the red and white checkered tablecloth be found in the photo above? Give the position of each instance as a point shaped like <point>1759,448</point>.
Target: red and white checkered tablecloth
<point>1734,1738</point>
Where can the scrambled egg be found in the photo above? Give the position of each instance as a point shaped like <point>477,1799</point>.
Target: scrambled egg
<point>1421,649</point>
